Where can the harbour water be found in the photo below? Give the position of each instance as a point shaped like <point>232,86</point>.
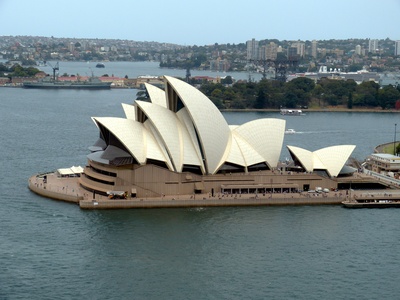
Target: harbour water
<point>54,250</point>
<point>135,69</point>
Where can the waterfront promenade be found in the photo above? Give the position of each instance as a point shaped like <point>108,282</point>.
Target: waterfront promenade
<point>68,190</point>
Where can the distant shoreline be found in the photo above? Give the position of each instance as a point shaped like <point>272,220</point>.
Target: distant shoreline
<point>329,109</point>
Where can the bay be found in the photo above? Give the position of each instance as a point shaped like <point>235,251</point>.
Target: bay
<point>54,250</point>
<point>135,69</point>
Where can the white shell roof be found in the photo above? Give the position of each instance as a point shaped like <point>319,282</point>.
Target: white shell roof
<point>304,156</point>
<point>250,156</point>
<point>192,154</point>
<point>152,151</point>
<point>156,95</point>
<point>170,135</point>
<point>213,130</point>
<point>175,137</point>
<point>265,137</point>
<point>331,158</point>
<point>198,128</point>
<point>129,110</point>
<point>335,157</point>
<point>235,154</point>
<point>134,137</point>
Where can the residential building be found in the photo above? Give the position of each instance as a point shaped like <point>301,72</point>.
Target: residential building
<point>314,48</point>
<point>373,46</point>
<point>252,49</point>
<point>358,50</point>
<point>397,48</point>
<point>271,51</point>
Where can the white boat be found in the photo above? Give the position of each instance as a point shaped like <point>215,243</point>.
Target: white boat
<point>290,131</point>
<point>291,112</point>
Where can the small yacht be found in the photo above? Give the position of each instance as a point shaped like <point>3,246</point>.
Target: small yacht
<point>290,131</point>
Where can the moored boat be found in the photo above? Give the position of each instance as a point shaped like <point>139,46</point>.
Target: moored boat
<point>92,83</point>
<point>291,112</point>
<point>385,203</point>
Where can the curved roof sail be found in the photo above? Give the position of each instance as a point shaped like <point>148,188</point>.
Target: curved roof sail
<point>182,128</point>
<point>332,159</point>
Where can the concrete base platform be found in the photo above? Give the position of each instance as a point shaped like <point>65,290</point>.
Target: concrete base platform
<point>67,189</point>
<point>208,202</point>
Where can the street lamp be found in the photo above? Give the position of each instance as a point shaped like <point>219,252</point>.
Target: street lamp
<point>394,141</point>
<point>271,180</point>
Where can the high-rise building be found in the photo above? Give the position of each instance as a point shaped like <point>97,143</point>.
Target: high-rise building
<point>292,52</point>
<point>271,51</point>
<point>373,46</point>
<point>300,48</point>
<point>71,47</point>
<point>262,52</point>
<point>252,49</point>
<point>397,48</point>
<point>314,47</point>
<point>358,50</point>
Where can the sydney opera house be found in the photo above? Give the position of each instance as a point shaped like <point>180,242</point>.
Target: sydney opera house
<point>177,143</point>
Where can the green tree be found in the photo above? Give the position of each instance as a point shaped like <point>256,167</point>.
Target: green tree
<point>218,103</point>
<point>291,99</point>
<point>350,101</point>
<point>238,104</point>
<point>229,94</point>
<point>217,93</point>
<point>388,96</point>
<point>335,91</point>
<point>227,80</point>
<point>366,94</point>
<point>355,68</point>
<point>298,92</point>
<point>261,100</point>
<point>397,149</point>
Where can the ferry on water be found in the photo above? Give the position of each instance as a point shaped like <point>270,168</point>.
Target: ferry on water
<point>290,131</point>
<point>291,112</point>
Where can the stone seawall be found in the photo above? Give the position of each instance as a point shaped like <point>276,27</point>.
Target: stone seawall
<point>211,202</point>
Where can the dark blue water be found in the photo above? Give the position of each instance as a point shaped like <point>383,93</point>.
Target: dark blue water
<point>54,250</point>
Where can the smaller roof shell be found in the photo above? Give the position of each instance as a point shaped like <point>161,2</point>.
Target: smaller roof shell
<point>332,159</point>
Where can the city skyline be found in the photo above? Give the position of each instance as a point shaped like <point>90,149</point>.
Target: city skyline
<point>202,23</point>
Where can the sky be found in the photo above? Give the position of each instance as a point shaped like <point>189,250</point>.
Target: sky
<point>202,22</point>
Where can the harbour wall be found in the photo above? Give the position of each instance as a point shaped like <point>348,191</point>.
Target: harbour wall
<point>283,200</point>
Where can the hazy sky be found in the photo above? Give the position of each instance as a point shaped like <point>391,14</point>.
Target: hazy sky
<point>202,22</point>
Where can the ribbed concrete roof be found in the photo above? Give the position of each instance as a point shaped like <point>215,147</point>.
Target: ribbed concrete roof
<point>331,158</point>
<point>192,132</point>
<point>156,95</point>
<point>212,129</point>
<point>130,111</point>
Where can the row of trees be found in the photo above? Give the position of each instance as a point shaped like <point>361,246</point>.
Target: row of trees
<point>301,92</point>
<point>17,71</point>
